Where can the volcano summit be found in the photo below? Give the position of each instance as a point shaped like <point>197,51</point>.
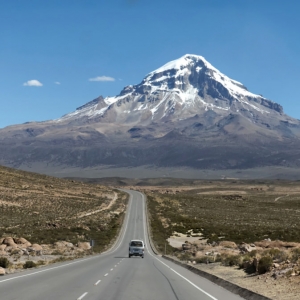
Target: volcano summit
<point>184,114</point>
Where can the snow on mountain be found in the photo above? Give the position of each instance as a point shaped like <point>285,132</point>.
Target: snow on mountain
<point>181,88</point>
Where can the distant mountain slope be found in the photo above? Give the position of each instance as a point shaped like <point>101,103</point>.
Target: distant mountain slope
<point>186,113</point>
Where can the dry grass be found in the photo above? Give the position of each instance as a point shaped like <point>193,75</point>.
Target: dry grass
<point>231,210</point>
<point>44,209</point>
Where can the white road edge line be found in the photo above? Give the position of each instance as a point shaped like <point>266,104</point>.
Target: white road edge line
<point>119,241</point>
<point>82,296</point>
<point>97,282</point>
<point>147,248</point>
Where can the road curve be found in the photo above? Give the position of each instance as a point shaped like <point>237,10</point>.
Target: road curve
<point>112,275</point>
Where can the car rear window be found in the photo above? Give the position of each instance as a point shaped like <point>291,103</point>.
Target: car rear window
<point>136,244</point>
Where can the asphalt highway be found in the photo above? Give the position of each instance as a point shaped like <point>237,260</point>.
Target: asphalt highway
<point>112,275</point>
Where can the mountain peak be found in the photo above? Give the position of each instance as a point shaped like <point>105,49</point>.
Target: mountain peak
<point>179,89</point>
<point>182,62</point>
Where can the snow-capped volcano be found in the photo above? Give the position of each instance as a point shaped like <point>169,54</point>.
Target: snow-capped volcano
<point>180,89</point>
<point>184,114</point>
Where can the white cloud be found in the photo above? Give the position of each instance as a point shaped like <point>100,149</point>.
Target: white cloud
<point>32,82</point>
<point>57,82</point>
<point>102,78</point>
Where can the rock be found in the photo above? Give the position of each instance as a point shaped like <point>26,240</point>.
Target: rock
<point>10,248</point>
<point>84,246</point>
<point>1,240</point>
<point>9,241</point>
<point>2,247</point>
<point>2,271</point>
<point>59,244</point>
<point>26,245</point>
<point>194,262</point>
<point>228,244</point>
<point>186,246</point>
<point>2,253</point>
<point>246,248</point>
<point>25,252</point>
<point>36,247</point>
<point>22,241</point>
<point>276,265</point>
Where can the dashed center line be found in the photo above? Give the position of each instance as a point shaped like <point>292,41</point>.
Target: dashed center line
<point>82,296</point>
<point>111,269</point>
<point>97,282</point>
<point>105,274</point>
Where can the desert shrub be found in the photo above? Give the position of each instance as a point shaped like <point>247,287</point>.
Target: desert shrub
<point>253,253</point>
<point>204,259</point>
<point>218,258</point>
<point>57,252</point>
<point>276,254</point>
<point>40,263</point>
<point>232,260</point>
<point>295,255</point>
<point>29,264</point>
<point>265,264</point>
<point>185,256</point>
<point>4,262</point>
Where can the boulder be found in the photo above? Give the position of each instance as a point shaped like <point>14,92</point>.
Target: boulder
<point>59,244</point>
<point>228,244</point>
<point>2,253</point>
<point>1,240</point>
<point>2,247</point>
<point>9,241</point>
<point>10,248</point>
<point>186,246</point>
<point>246,248</point>
<point>35,249</point>
<point>84,246</point>
<point>2,271</point>
<point>23,242</point>
<point>63,244</point>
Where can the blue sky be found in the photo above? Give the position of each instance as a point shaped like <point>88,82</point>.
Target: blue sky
<point>62,44</point>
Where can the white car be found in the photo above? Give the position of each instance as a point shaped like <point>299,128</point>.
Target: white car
<point>136,248</point>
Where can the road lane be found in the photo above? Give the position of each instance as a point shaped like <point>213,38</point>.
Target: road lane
<point>112,275</point>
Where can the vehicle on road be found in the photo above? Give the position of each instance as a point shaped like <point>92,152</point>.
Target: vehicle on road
<point>136,248</point>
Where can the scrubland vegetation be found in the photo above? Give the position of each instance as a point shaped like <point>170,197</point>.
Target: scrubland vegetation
<point>230,226</point>
<point>235,211</point>
<point>44,209</point>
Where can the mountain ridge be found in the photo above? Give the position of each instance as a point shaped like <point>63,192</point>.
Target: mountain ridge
<point>185,113</point>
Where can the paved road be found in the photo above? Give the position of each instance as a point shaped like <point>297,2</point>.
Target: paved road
<point>112,275</point>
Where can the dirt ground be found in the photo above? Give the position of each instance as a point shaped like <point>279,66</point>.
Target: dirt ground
<point>278,289</point>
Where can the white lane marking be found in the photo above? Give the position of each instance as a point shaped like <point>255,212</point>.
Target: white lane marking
<point>135,218</point>
<point>147,247</point>
<point>115,266</point>
<point>82,296</point>
<point>125,229</point>
<point>121,238</point>
<point>111,269</point>
<point>97,282</point>
<point>105,274</point>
